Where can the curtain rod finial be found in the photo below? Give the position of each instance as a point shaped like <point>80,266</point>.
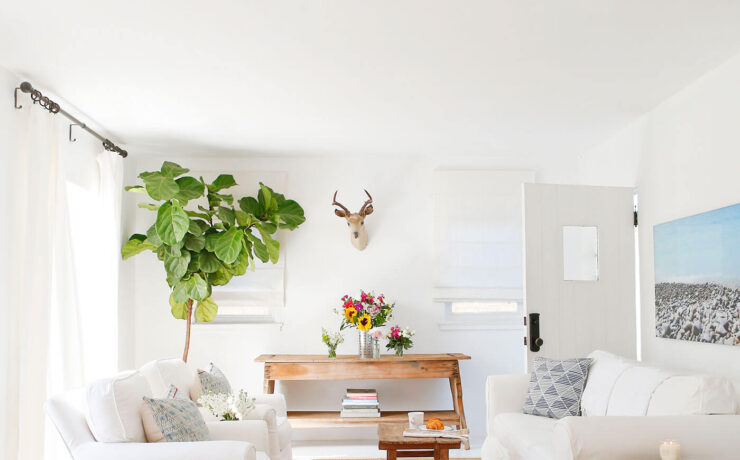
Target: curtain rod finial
<point>26,87</point>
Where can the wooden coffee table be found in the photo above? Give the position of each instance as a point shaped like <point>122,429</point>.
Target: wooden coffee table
<point>392,440</point>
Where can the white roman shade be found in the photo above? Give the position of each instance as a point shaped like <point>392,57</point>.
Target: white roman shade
<point>478,234</point>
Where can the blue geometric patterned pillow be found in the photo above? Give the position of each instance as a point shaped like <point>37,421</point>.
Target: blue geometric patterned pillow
<point>556,386</point>
<point>175,420</point>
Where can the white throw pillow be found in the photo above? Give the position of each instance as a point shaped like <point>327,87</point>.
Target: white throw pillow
<point>693,395</point>
<point>114,405</point>
<point>603,373</point>
<point>634,388</point>
<point>212,380</point>
<point>162,373</point>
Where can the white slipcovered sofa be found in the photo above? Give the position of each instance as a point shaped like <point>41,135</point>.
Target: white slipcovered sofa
<point>628,409</point>
<point>103,421</point>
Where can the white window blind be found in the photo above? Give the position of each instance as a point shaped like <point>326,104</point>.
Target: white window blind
<point>478,234</point>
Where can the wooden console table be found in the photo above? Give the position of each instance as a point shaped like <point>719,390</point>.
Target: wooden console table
<point>349,367</point>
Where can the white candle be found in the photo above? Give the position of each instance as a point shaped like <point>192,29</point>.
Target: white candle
<point>670,450</point>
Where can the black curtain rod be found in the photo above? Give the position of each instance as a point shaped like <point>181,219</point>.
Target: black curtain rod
<point>54,108</point>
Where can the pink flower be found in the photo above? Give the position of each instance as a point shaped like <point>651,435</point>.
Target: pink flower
<point>395,332</point>
<point>358,306</point>
<point>363,296</point>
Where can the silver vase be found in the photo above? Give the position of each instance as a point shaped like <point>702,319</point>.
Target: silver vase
<point>365,345</point>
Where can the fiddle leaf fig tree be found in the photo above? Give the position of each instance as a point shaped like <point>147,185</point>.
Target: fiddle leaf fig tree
<point>205,237</point>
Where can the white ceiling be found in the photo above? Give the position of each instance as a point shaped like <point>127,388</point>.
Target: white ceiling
<point>515,77</point>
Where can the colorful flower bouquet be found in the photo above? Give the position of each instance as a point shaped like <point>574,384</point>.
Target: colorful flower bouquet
<point>227,406</point>
<point>399,339</point>
<point>331,341</point>
<point>365,313</point>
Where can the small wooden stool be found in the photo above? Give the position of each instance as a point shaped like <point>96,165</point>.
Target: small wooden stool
<point>391,440</point>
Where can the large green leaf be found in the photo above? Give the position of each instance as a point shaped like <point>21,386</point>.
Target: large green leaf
<point>250,206</point>
<point>273,246</point>
<point>196,287</point>
<point>135,189</point>
<point>229,244</point>
<point>220,277</point>
<point>172,223</point>
<point>180,292</point>
<point>222,181</point>
<point>172,170</point>
<point>239,267</point>
<point>259,247</point>
<point>190,188</point>
<point>211,237</point>
<point>136,245</point>
<point>195,243</point>
<point>291,213</point>
<point>242,218</point>
<point>151,235</point>
<point>194,264</point>
<point>199,215</point>
<point>208,262</point>
<point>197,227</point>
<point>226,215</point>
<point>214,199</point>
<point>206,311</point>
<point>266,227</point>
<point>264,197</point>
<point>176,266</point>
<point>160,187</point>
<point>179,309</point>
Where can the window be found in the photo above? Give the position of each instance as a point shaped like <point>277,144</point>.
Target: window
<point>478,243</point>
<point>257,296</point>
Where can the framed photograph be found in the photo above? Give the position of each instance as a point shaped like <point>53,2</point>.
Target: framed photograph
<point>697,277</point>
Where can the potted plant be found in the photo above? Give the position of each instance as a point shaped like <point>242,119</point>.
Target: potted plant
<point>364,313</point>
<point>204,237</point>
<point>399,339</point>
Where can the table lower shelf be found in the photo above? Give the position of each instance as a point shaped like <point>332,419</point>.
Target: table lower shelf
<point>323,419</point>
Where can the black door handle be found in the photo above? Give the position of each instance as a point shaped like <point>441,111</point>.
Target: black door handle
<point>535,341</point>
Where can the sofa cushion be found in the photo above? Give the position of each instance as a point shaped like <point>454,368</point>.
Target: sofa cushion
<point>634,388</point>
<point>693,395</point>
<point>555,387</point>
<point>162,373</point>
<point>524,436</point>
<point>113,407</point>
<point>602,375</point>
<point>284,431</point>
<point>173,420</point>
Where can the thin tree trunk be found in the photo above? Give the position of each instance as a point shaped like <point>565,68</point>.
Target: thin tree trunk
<point>187,331</point>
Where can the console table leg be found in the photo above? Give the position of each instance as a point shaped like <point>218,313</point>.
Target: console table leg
<point>457,401</point>
<point>269,387</point>
<point>390,454</point>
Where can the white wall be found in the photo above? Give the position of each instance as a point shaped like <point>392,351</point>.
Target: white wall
<point>684,158</point>
<point>321,267</point>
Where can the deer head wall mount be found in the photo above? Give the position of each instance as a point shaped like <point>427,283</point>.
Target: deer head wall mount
<point>355,221</point>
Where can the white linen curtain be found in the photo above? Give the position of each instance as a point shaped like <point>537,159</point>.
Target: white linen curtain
<point>43,333</point>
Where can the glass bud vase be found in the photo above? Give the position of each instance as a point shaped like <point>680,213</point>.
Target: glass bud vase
<point>365,345</point>
<point>399,352</point>
<point>332,351</point>
<point>376,349</point>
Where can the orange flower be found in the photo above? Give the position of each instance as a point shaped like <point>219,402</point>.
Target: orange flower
<point>365,322</point>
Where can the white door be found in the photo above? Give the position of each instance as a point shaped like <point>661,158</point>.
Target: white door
<point>579,270</point>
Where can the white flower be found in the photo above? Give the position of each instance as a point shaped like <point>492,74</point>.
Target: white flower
<point>227,406</point>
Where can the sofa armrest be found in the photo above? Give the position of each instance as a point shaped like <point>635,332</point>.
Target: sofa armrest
<point>254,432</point>
<point>504,393</point>
<point>276,401</point>
<point>617,437</point>
<point>222,450</point>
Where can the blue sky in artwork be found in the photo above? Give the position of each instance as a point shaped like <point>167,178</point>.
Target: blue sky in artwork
<point>701,248</point>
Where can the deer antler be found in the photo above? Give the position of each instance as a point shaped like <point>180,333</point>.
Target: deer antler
<point>364,206</point>
<point>336,203</point>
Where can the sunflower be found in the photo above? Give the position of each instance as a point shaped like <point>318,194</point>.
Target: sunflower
<point>365,322</point>
<point>350,313</point>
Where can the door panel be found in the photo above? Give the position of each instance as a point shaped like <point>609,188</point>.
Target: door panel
<point>577,317</point>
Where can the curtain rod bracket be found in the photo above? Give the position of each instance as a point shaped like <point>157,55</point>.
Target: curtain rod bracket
<point>15,95</point>
<point>54,108</point>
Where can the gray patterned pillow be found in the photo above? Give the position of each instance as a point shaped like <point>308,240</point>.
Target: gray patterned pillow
<point>173,420</point>
<point>214,381</point>
<point>556,386</point>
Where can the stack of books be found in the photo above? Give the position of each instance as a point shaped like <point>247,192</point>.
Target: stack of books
<point>360,403</point>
